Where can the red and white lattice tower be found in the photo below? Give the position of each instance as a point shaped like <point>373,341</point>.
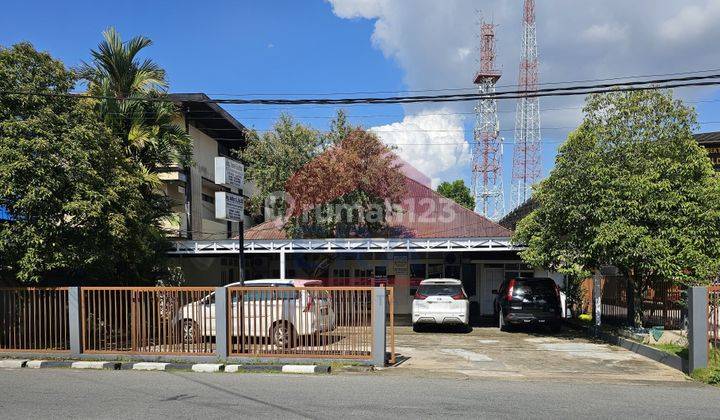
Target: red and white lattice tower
<point>526,154</point>
<point>487,181</point>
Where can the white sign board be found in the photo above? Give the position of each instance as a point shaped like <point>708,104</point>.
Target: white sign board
<point>229,206</point>
<point>229,172</point>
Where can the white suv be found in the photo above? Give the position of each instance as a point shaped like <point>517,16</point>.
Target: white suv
<point>281,315</point>
<point>440,301</point>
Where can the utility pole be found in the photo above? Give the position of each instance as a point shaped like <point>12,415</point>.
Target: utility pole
<point>230,205</point>
<point>241,248</point>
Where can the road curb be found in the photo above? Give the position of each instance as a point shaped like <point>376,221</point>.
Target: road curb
<point>159,366</point>
<point>13,363</point>
<point>163,366</point>
<point>305,369</point>
<point>95,365</point>
<point>42,364</point>
<point>208,367</point>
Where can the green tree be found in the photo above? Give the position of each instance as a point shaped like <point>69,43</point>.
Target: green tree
<point>274,156</point>
<point>133,103</point>
<point>630,188</point>
<point>76,202</point>
<point>458,192</point>
<point>349,190</point>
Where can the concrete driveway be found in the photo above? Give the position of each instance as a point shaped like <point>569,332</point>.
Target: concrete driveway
<point>526,354</point>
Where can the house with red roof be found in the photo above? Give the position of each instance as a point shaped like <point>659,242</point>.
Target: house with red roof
<point>428,236</point>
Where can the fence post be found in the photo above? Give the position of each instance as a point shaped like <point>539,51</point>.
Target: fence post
<point>74,319</point>
<point>697,328</point>
<point>378,328</point>
<point>597,302</point>
<point>221,322</point>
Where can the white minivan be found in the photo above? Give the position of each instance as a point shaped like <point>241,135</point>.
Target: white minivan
<point>440,301</point>
<point>281,315</point>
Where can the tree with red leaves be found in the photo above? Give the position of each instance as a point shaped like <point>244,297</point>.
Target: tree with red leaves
<point>348,190</point>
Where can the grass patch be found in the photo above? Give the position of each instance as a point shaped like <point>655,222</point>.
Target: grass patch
<point>672,348</point>
<point>709,375</point>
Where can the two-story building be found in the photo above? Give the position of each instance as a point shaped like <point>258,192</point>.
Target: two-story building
<point>214,132</point>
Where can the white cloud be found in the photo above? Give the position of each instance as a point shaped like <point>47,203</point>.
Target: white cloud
<point>350,9</point>
<point>605,32</point>
<point>433,142</point>
<point>435,44</point>
<point>692,21</point>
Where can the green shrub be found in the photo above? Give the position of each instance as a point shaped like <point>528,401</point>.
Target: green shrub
<point>714,378</point>
<point>709,376</point>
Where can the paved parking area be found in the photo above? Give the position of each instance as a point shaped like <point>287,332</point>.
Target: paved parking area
<point>525,354</point>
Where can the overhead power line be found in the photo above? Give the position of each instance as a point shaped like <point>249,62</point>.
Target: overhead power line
<point>690,81</point>
<point>468,88</point>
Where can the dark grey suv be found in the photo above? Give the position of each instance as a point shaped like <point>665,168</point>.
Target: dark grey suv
<point>528,301</point>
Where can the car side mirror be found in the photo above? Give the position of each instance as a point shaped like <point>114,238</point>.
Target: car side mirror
<point>494,292</point>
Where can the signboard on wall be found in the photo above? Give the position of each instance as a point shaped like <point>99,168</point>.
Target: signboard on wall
<point>229,206</point>
<point>229,172</point>
<point>401,264</point>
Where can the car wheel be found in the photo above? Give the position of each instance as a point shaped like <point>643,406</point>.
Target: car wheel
<point>417,328</point>
<point>283,335</point>
<point>190,331</point>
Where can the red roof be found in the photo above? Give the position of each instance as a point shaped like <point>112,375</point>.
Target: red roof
<point>426,214</point>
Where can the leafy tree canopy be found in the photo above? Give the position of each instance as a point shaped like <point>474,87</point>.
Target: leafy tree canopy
<point>346,166</point>
<point>458,192</point>
<point>271,158</point>
<point>74,196</point>
<point>348,190</point>
<point>630,188</point>
<point>150,134</point>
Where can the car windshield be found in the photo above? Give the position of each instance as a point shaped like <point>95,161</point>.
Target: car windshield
<point>439,289</point>
<point>544,288</point>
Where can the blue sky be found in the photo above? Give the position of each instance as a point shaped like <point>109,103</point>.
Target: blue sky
<point>231,48</point>
<point>321,46</point>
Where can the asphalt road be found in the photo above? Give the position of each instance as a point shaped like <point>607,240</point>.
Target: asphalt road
<point>65,393</point>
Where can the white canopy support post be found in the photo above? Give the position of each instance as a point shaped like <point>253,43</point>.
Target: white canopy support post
<point>282,265</point>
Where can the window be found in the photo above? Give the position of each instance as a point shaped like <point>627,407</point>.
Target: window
<point>545,288</point>
<point>208,199</point>
<point>439,290</point>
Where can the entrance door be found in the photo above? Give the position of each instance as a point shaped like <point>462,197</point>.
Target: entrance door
<point>491,280</point>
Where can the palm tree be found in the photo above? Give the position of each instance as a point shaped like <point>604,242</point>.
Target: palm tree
<point>131,101</point>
